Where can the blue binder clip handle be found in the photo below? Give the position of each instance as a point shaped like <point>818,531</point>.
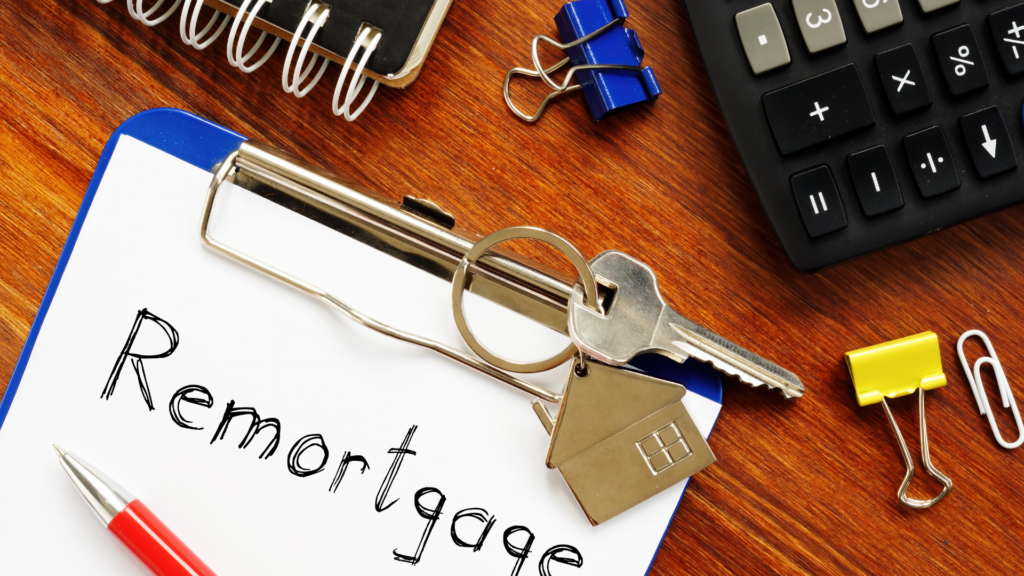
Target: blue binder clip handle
<point>605,55</point>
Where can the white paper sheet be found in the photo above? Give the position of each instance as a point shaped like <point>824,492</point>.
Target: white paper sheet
<point>260,344</point>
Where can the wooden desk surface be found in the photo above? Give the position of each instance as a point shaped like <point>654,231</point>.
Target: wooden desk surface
<point>800,486</point>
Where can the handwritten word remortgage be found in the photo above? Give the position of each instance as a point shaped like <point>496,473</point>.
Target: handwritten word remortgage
<point>429,502</point>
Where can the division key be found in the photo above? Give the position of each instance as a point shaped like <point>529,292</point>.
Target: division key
<point>818,109</point>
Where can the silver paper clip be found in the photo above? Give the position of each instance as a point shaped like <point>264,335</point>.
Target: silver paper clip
<point>978,387</point>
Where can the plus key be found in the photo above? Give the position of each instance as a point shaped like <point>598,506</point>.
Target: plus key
<point>818,109</point>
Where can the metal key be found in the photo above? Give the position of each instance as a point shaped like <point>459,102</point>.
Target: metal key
<point>638,320</point>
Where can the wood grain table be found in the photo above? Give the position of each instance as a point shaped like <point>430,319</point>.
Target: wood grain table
<point>804,486</point>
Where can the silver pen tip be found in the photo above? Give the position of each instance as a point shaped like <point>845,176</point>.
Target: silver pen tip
<point>60,451</point>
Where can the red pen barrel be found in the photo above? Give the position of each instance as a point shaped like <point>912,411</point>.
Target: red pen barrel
<point>154,543</point>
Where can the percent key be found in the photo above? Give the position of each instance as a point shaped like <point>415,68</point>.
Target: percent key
<point>960,60</point>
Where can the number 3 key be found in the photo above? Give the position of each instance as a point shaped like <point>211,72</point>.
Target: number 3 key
<point>638,320</point>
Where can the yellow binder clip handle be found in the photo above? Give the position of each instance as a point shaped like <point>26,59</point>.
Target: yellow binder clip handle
<point>895,369</point>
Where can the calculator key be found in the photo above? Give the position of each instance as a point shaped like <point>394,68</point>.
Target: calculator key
<point>762,38</point>
<point>988,142</point>
<point>818,109</point>
<point>933,5</point>
<point>820,24</point>
<point>875,181</point>
<point>931,162</point>
<point>878,15</point>
<point>902,79</point>
<point>818,200</point>
<point>960,60</point>
<point>1008,31</point>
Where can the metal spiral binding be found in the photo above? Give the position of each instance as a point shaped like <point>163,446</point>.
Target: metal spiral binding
<point>367,39</point>
<point>235,57</point>
<point>320,12</point>
<point>202,39</point>
<point>136,11</point>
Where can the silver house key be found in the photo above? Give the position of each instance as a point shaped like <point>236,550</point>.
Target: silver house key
<point>638,321</point>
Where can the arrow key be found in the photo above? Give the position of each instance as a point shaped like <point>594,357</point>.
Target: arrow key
<point>988,142</point>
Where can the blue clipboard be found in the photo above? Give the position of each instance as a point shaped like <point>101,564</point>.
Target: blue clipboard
<point>205,144</point>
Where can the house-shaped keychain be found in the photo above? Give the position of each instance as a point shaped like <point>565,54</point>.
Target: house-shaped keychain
<point>621,437</point>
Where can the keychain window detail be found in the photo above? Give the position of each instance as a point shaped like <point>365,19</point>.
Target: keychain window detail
<point>664,448</point>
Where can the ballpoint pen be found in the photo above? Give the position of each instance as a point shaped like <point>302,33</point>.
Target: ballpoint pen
<point>132,522</point>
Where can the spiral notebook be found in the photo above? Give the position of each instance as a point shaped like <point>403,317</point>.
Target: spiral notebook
<point>386,42</point>
<point>263,504</point>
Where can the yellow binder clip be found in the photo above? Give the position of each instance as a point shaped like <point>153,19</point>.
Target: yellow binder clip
<point>895,369</point>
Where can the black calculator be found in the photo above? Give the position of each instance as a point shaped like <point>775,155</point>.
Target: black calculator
<point>865,123</point>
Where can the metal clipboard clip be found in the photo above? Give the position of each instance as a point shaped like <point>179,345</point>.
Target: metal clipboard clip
<point>416,232</point>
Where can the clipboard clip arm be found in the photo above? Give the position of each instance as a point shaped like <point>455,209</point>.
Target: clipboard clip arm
<point>225,173</point>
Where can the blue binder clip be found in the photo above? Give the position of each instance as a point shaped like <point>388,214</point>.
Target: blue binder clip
<point>604,54</point>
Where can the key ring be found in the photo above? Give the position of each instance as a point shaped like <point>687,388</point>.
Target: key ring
<point>485,244</point>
